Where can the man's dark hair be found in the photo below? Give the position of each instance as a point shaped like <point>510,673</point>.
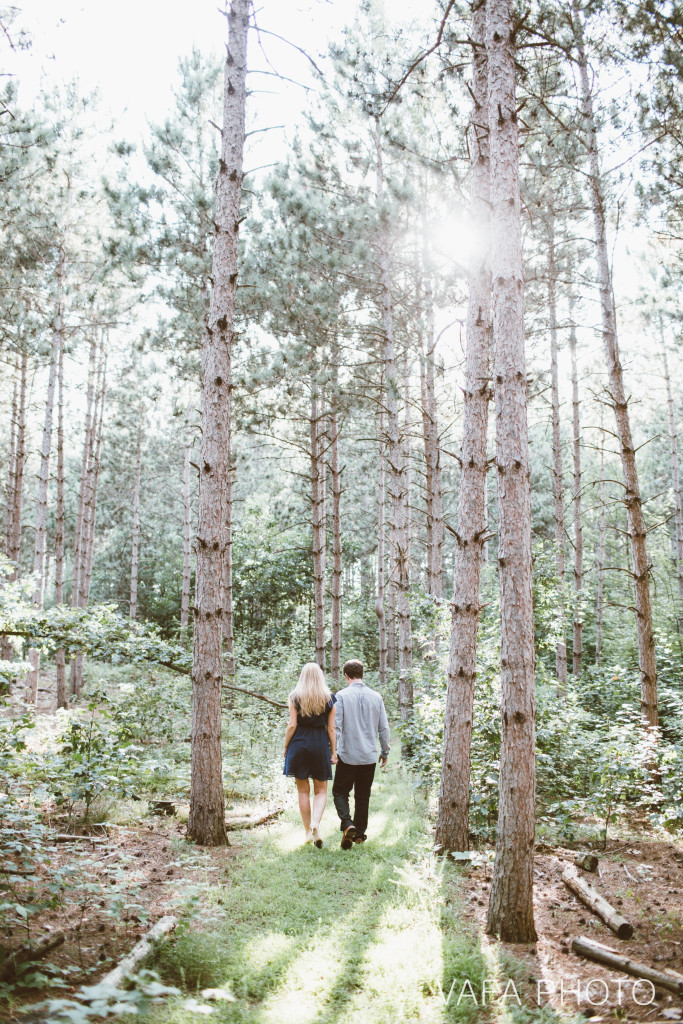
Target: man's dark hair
<point>353,669</point>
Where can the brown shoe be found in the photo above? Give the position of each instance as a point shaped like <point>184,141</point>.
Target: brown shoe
<point>348,837</point>
<point>359,839</point>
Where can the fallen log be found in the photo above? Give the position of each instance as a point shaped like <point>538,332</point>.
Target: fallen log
<point>233,824</point>
<point>77,839</point>
<point>604,955</point>
<point>598,904</point>
<point>587,861</point>
<point>139,951</point>
<point>24,954</point>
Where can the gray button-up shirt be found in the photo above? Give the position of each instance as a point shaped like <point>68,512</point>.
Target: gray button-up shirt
<point>360,717</point>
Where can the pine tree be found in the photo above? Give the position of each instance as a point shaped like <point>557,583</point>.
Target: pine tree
<point>206,821</point>
<point>510,913</point>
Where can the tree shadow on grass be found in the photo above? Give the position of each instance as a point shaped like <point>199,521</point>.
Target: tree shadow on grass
<point>287,917</point>
<point>484,979</point>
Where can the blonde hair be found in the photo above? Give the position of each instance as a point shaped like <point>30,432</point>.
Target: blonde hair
<point>311,694</point>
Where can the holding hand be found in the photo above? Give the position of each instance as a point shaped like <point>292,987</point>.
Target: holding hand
<point>383,761</point>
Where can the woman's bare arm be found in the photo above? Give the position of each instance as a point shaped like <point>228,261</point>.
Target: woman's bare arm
<point>291,726</point>
<point>331,732</point>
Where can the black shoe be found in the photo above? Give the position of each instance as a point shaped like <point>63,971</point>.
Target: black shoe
<point>348,837</point>
<point>359,839</point>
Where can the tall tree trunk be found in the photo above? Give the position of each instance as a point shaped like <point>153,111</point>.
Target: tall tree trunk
<point>6,648</point>
<point>89,546</point>
<point>335,473</point>
<point>11,468</point>
<point>407,455</point>
<point>430,432</point>
<point>41,502</point>
<point>379,603</point>
<point>577,643</point>
<point>14,549</point>
<point>397,469</point>
<point>485,547</point>
<point>76,668</point>
<point>452,829</point>
<point>675,483</point>
<point>206,822</point>
<point>510,913</point>
<point>318,522</point>
<point>634,508</point>
<point>60,658</point>
<point>390,590</point>
<point>558,489</point>
<point>600,566</point>
<point>228,609</point>
<point>87,543</point>
<point>187,536</point>
<point>134,557</point>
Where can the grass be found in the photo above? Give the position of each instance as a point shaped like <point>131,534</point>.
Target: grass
<point>306,936</point>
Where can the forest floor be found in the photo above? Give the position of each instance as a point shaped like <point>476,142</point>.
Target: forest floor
<point>383,933</point>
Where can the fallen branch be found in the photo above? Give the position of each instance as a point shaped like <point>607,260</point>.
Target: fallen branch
<point>139,951</point>
<point>233,824</point>
<point>26,953</point>
<point>77,839</point>
<point>598,904</point>
<point>604,955</point>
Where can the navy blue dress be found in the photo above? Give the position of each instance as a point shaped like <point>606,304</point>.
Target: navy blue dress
<point>308,753</point>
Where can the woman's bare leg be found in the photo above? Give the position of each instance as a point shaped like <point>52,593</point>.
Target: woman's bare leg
<point>319,801</point>
<point>304,793</point>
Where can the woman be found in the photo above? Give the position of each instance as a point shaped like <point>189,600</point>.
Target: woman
<point>310,745</point>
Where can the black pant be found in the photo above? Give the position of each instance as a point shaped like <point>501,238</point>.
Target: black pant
<point>356,777</point>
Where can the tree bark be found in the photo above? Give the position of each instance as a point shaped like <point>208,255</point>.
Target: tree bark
<point>90,538</point>
<point>558,489</point>
<point>577,640</point>
<point>187,536</point>
<point>430,431</point>
<point>318,522</point>
<point>675,483</point>
<point>452,830</point>
<point>228,611</point>
<point>510,913</point>
<point>20,460</point>
<point>76,669</point>
<point>600,566</point>
<point>43,485</point>
<point>134,558</point>
<point>206,822</point>
<point>87,547</point>
<point>379,603</point>
<point>335,473</point>
<point>407,455</point>
<point>397,468</point>
<point>634,508</point>
<point>60,658</point>
<point>12,466</point>
<point>6,648</point>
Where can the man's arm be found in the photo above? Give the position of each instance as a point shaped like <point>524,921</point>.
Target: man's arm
<point>338,720</point>
<point>384,733</point>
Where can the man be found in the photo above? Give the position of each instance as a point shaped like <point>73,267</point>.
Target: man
<point>360,718</point>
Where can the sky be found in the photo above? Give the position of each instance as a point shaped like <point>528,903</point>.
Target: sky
<point>129,50</point>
